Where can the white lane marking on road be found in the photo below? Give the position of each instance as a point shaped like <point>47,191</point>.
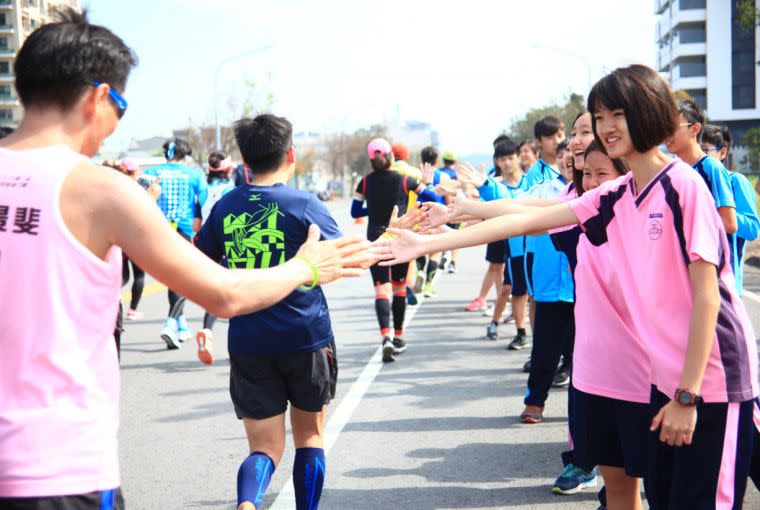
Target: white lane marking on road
<point>286,499</point>
<point>754,297</point>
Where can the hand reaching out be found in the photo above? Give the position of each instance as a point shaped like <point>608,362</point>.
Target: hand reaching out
<point>468,175</point>
<point>435,215</point>
<point>428,173</point>
<point>412,219</point>
<point>336,258</point>
<point>459,209</point>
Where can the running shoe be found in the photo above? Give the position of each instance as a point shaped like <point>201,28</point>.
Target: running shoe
<point>492,331</point>
<point>428,291</point>
<point>509,320</point>
<point>419,282</point>
<point>526,366</point>
<point>562,377</point>
<point>519,342</point>
<point>183,330</point>
<point>169,334</point>
<point>476,305</point>
<point>532,414</point>
<point>452,269</point>
<point>442,265</point>
<point>388,350</point>
<point>488,312</point>
<point>411,298</point>
<point>573,479</point>
<point>399,345</point>
<point>205,346</point>
<point>134,315</point>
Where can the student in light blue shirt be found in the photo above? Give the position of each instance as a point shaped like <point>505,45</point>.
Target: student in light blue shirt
<point>684,143</point>
<point>717,142</point>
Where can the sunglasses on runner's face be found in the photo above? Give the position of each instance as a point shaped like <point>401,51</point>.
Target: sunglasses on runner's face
<point>118,99</point>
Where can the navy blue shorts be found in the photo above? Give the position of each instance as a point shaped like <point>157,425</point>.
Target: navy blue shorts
<point>514,274</point>
<point>528,267</point>
<point>702,475</point>
<point>496,252</point>
<point>610,432</point>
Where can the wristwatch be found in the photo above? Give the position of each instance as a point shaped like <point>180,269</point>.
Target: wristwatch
<point>687,398</point>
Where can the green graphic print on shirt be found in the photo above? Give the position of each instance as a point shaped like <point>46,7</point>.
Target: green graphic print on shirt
<point>252,241</point>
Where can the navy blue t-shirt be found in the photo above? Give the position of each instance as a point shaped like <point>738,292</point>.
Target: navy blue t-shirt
<point>261,227</point>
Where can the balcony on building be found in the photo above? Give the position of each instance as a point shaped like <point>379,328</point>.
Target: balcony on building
<point>6,29</point>
<point>5,4</point>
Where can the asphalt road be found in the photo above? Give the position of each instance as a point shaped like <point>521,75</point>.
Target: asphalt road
<point>438,429</point>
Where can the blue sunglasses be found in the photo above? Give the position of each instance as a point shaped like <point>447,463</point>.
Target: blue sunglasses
<point>118,99</point>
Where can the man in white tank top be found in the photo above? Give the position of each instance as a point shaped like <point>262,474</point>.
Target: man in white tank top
<point>63,224</point>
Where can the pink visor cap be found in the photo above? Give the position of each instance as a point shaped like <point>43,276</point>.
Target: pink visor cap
<point>378,145</point>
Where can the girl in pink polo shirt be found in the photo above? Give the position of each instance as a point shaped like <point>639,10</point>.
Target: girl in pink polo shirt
<point>671,258</point>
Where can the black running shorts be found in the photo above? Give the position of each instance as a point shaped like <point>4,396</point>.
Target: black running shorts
<point>101,500</point>
<point>262,386</point>
<point>496,252</point>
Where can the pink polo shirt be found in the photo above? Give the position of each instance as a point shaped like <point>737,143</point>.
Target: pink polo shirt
<point>59,374</point>
<point>652,236</point>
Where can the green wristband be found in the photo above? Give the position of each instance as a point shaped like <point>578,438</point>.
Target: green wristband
<point>314,271</point>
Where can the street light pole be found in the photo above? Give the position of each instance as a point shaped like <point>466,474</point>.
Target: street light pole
<point>224,62</point>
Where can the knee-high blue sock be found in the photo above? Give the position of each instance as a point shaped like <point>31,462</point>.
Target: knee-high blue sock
<point>253,478</point>
<point>308,477</point>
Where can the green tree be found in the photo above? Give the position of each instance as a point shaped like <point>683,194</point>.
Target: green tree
<point>751,140</point>
<point>748,14</point>
<point>521,128</point>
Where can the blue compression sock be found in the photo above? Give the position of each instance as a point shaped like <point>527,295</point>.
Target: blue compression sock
<point>253,478</point>
<point>308,477</point>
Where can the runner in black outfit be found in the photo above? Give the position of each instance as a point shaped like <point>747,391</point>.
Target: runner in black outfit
<point>382,190</point>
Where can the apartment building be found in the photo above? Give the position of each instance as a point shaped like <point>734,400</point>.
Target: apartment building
<point>18,19</point>
<point>704,50</point>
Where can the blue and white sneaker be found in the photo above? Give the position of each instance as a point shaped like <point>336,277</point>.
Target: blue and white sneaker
<point>170,335</point>
<point>183,330</point>
<point>573,479</point>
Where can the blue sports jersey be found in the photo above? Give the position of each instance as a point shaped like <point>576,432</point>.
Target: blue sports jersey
<point>552,280</point>
<point>748,222</point>
<point>261,227</point>
<point>539,172</point>
<point>450,171</point>
<point>717,179</point>
<point>182,186</point>
<point>493,189</point>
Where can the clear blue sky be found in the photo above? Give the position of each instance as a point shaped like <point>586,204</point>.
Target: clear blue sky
<point>466,67</point>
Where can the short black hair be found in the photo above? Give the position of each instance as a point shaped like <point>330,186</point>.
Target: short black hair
<point>717,136</point>
<point>693,114</point>
<point>547,126</point>
<point>176,149</point>
<point>532,143</point>
<point>216,158</point>
<point>562,146</point>
<point>501,138</point>
<point>647,101</point>
<point>505,148</point>
<point>61,60</point>
<point>264,141</point>
<point>429,155</point>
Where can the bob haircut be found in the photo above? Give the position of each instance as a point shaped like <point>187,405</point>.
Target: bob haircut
<point>647,101</point>
<point>620,165</point>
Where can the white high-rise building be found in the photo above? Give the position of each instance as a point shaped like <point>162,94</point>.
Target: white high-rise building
<point>703,50</point>
<point>18,19</point>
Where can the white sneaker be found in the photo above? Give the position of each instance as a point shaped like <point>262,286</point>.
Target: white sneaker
<point>488,312</point>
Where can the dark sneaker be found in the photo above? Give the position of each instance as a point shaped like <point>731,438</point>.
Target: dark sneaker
<point>388,350</point>
<point>562,377</point>
<point>492,331</point>
<point>399,345</point>
<point>573,479</point>
<point>519,342</point>
<point>532,414</point>
<point>526,366</point>
<point>411,297</point>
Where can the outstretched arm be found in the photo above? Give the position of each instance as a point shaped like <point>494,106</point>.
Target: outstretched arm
<point>129,219</point>
<point>408,245</point>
